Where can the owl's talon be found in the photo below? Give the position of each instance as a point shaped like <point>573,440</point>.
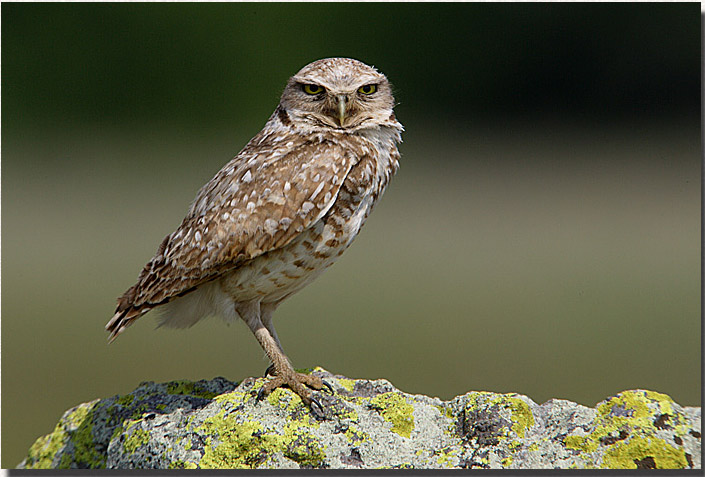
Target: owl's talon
<point>261,394</point>
<point>270,386</point>
<point>327,385</point>
<point>318,413</point>
<point>270,371</point>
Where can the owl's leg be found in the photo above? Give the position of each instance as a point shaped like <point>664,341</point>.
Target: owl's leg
<point>284,374</point>
<point>266,312</point>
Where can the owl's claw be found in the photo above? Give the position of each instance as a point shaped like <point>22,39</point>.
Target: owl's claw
<point>317,411</point>
<point>297,383</point>
<point>261,394</point>
<point>270,371</point>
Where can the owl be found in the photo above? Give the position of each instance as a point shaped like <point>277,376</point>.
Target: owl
<point>278,214</point>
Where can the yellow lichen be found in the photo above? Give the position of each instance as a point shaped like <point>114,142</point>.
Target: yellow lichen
<point>84,453</point>
<point>235,397</point>
<point>521,415</point>
<point>355,435</point>
<point>445,457</point>
<point>624,428</point>
<point>280,398</point>
<point>665,403</point>
<point>235,444</point>
<point>125,400</point>
<point>395,409</point>
<point>42,452</point>
<point>136,439</point>
<point>519,411</point>
<point>580,443</point>
<point>76,426</point>
<point>624,455</point>
<point>189,388</point>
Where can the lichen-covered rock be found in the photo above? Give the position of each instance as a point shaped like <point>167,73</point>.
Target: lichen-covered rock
<point>367,424</point>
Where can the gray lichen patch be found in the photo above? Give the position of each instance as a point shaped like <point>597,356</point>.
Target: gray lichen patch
<point>367,424</point>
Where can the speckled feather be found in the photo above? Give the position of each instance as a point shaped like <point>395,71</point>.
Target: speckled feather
<point>291,201</point>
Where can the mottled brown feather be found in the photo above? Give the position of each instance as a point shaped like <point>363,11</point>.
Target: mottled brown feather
<point>224,226</point>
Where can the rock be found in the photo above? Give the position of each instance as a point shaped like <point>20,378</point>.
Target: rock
<point>367,424</point>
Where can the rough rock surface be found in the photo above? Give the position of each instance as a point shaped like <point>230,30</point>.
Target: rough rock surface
<point>367,424</point>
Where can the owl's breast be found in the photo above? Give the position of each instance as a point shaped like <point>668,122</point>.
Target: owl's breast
<point>273,276</point>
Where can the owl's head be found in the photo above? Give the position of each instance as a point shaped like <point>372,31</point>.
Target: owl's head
<point>338,93</point>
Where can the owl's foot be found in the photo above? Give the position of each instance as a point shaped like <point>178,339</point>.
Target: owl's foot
<point>297,382</point>
<point>308,379</point>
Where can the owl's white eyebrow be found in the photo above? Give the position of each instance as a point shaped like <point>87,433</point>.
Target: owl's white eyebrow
<point>313,83</point>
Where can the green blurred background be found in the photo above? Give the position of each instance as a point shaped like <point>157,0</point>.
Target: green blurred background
<point>541,237</point>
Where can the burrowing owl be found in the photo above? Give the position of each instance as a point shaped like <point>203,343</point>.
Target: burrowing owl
<point>279,213</point>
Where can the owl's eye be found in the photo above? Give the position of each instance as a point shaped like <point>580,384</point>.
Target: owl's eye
<point>312,89</point>
<point>367,89</point>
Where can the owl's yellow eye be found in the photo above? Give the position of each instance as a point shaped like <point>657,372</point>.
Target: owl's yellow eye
<point>368,89</point>
<point>313,89</point>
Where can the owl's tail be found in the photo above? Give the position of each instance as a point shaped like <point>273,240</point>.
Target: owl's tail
<point>125,315</point>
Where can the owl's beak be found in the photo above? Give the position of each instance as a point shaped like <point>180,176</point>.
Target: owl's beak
<point>342,100</point>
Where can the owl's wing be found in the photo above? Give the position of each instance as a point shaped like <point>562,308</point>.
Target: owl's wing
<point>258,202</point>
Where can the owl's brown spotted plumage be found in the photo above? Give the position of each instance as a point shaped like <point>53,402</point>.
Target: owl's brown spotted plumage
<point>279,213</point>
